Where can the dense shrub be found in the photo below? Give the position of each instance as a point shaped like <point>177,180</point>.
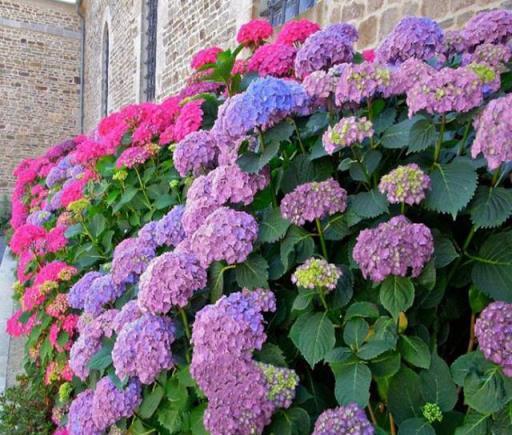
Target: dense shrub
<point>263,255</point>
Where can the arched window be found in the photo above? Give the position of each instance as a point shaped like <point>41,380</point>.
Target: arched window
<point>280,11</point>
<point>104,71</point>
<point>148,67</point>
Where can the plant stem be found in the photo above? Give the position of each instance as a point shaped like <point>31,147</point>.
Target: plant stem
<point>369,105</point>
<point>186,328</point>
<point>402,208</point>
<point>302,148</point>
<point>471,341</point>
<point>372,415</point>
<point>464,249</point>
<point>437,151</point>
<point>464,138</point>
<point>261,140</point>
<point>322,298</point>
<point>495,177</point>
<point>322,240</point>
<point>143,187</point>
<point>392,424</point>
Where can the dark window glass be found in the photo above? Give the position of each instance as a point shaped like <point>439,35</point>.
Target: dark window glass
<point>280,11</point>
<point>104,72</point>
<point>149,67</point>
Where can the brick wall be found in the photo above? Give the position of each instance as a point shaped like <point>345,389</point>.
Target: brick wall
<point>39,79</point>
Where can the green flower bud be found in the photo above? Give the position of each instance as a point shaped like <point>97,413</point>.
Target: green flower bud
<point>432,412</point>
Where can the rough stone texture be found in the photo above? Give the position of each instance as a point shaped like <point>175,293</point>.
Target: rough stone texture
<point>39,79</point>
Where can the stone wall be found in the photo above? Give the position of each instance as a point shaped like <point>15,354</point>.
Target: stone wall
<point>39,79</point>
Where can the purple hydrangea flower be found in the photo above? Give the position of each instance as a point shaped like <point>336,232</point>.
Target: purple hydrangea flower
<point>148,234</point>
<point>78,293</point>
<point>55,201</point>
<point>55,176</point>
<point>225,235</point>
<point>196,153</point>
<point>196,212</point>
<point>102,291</point>
<point>393,248</point>
<point>143,348</point>
<point>110,404</point>
<point>405,184</point>
<point>39,217</point>
<point>316,273</point>
<point>350,419</point>
<point>493,27</point>
<point>314,200</point>
<point>494,133</point>
<point>493,329</point>
<point>495,56</point>
<point>80,420</point>
<point>129,313</point>
<point>169,230</point>
<point>326,48</point>
<point>454,42</point>
<point>129,260</point>
<point>448,90</point>
<point>170,281</point>
<point>412,37</point>
<point>406,75</point>
<point>281,384</point>
<point>234,118</point>
<point>320,86</point>
<point>347,132</point>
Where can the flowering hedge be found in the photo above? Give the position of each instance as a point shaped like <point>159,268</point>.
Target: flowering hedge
<point>310,239</point>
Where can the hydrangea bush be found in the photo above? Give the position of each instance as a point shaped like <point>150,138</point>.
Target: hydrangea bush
<point>305,239</point>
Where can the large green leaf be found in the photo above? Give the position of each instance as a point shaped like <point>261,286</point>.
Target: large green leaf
<point>302,170</point>
<point>253,272</point>
<point>492,269</point>
<point>397,294</point>
<point>453,186</point>
<point>416,426</point>
<point>444,250</point>
<point>437,385</point>
<point>368,204</point>
<point>404,395</point>
<point>293,421</point>
<point>415,351</point>
<point>272,226</point>
<point>353,380</point>
<point>474,424</point>
<point>422,135</point>
<point>294,238</point>
<point>487,392</point>
<point>313,335</point>
<point>384,338</point>
<point>103,358</point>
<point>355,332</point>
<point>253,162</point>
<point>491,207</point>
<point>397,136</point>
<point>385,365</point>
<point>150,403</point>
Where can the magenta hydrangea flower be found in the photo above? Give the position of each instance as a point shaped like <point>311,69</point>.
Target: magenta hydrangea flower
<point>78,293</point>
<point>110,404</point>
<point>134,156</point>
<point>273,60</point>
<point>295,32</point>
<point>80,420</point>
<point>448,90</point>
<point>350,419</point>
<point>129,260</point>
<point>196,153</point>
<point>396,247</point>
<point>493,329</point>
<point>412,37</point>
<point>143,348</point>
<point>226,235</point>
<point>314,200</point>
<point>493,27</point>
<point>494,133</point>
<point>129,313</point>
<point>347,132</point>
<point>405,184</point>
<point>102,291</point>
<point>326,48</point>
<point>253,33</point>
<point>170,281</point>
<point>169,229</point>
<point>205,56</point>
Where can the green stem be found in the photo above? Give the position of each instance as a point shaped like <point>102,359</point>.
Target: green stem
<point>402,208</point>
<point>143,187</point>
<point>261,140</point>
<point>302,148</point>
<point>369,105</point>
<point>186,328</point>
<point>464,138</point>
<point>322,239</point>
<point>93,240</point>
<point>322,298</point>
<point>437,151</point>
<point>496,177</point>
<point>464,249</point>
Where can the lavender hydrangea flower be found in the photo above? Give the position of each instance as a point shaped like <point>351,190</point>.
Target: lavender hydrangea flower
<point>129,260</point>
<point>169,230</point>
<point>39,217</point>
<point>412,37</point>
<point>347,132</point>
<point>225,235</point>
<point>78,293</point>
<point>281,384</point>
<point>448,90</point>
<point>55,201</point>
<point>80,420</point>
<point>406,75</point>
<point>129,313</point>
<point>405,184</point>
<point>493,329</point>
<point>170,281</point>
<point>493,27</point>
<point>196,153</point>
<point>234,118</point>
<point>326,48</point>
<point>314,200</point>
<point>350,419</point>
<point>55,176</point>
<point>493,55</point>
<point>494,133</point>
<point>110,404</point>
<point>316,273</point>
<point>148,234</point>
<point>143,348</point>
<point>196,211</point>
<point>320,86</point>
<point>393,248</point>
<point>102,291</point>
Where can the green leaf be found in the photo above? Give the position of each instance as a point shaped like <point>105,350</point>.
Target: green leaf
<point>216,280</point>
<point>293,421</point>
<point>353,380</point>
<point>437,385</point>
<point>453,186</point>
<point>101,359</point>
<point>273,226</point>
<point>370,162</point>
<point>384,120</point>
<point>385,365</point>
<point>313,335</point>
<point>336,228</point>
<point>368,204</point>
<point>271,354</point>
<point>252,273</point>
<point>252,162</point>
<point>422,136</point>
<point>316,124</point>
<point>279,133</point>
<point>467,363</point>
<point>415,351</point>
<point>151,402</point>
<point>176,393</point>
<point>487,392</point>
<point>477,300</point>
<point>404,396</point>
<point>164,201</point>
<point>384,338</point>
<point>302,170</point>
<point>397,136</point>
<point>196,420</point>
<point>444,250</point>
<point>127,196</point>
<point>170,419</point>
<point>355,332</point>
<point>474,424</point>
<point>97,225</point>
<point>396,294</point>
<point>416,426</point>
<point>491,207</point>
<point>492,269</point>
<point>362,309</point>
<point>62,338</point>
<point>294,237</point>
<point>73,230</point>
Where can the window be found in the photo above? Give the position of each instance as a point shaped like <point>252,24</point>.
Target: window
<point>280,11</point>
<point>104,71</point>
<point>149,49</point>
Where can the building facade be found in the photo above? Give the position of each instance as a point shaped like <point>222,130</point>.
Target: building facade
<point>139,50</point>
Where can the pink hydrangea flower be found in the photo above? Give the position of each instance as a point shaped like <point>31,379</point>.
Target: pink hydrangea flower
<point>205,56</point>
<point>254,33</point>
<point>295,32</point>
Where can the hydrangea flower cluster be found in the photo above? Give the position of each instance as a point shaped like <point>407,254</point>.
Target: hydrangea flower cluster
<point>490,54</point>
<point>494,133</point>
<point>405,184</point>
<point>225,235</point>
<point>494,27</point>
<point>273,59</point>
<point>314,200</point>
<point>412,37</point>
<point>347,132</point>
<point>281,384</point>
<point>129,313</point>
<point>102,291</point>
<point>493,329</point>
<point>129,260</point>
<point>317,273</point>
<point>295,32</point>
<point>320,86</point>
<point>254,33</point>
<point>407,75</point>
<point>80,420</point>
<point>169,229</point>
<point>196,153</point>
<point>143,348</point>
<point>205,56</point>
<point>350,419</point>
<point>359,82</point>
<point>78,293</point>
<point>393,248</point>
<point>169,281</point>
<point>326,48</point>
<point>134,156</point>
<point>110,404</point>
